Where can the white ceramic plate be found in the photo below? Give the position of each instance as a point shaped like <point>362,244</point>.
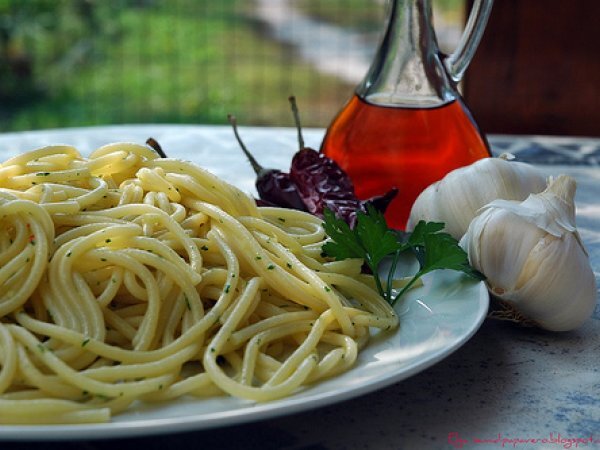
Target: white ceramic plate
<point>436,319</point>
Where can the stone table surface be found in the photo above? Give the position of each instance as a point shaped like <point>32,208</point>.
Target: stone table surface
<point>507,387</point>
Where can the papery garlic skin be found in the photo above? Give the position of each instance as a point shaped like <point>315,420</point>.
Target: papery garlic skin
<point>456,198</point>
<point>533,257</point>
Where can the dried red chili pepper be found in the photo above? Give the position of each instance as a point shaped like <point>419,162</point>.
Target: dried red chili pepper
<point>315,182</point>
<point>322,183</point>
<point>274,187</point>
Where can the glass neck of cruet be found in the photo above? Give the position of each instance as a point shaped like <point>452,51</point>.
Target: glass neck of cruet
<point>408,69</point>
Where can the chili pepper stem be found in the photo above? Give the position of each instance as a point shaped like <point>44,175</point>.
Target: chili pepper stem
<point>296,113</point>
<point>258,169</point>
<point>153,143</point>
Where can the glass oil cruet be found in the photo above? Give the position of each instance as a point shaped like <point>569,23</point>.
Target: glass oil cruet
<point>407,125</point>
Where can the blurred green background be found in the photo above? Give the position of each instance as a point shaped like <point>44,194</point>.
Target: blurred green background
<point>70,63</point>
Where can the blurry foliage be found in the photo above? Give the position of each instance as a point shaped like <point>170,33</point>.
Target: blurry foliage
<point>87,62</point>
<point>369,18</point>
<point>41,41</point>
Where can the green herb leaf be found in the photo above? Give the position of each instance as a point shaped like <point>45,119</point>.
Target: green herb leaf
<point>373,241</point>
<point>345,243</point>
<point>435,250</point>
<point>377,239</point>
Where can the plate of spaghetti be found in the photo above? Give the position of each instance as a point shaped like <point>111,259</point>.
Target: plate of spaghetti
<point>141,294</point>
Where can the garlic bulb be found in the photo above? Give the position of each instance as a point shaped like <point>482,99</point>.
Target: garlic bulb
<point>533,257</point>
<point>456,198</point>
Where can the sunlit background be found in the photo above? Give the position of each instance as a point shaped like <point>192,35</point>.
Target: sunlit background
<point>86,62</point>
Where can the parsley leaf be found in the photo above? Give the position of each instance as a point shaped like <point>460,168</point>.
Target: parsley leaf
<point>435,250</point>
<point>378,240</point>
<point>344,243</point>
<point>373,241</point>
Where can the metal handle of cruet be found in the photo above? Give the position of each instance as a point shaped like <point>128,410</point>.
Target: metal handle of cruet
<point>459,60</point>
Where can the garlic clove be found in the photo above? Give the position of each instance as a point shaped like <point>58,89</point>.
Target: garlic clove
<point>533,257</point>
<point>563,300</point>
<point>501,266</point>
<point>456,198</point>
<point>553,213</point>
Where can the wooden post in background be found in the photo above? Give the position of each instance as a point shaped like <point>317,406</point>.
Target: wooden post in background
<point>537,69</point>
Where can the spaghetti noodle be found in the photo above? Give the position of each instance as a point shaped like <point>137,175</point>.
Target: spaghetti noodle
<point>127,277</point>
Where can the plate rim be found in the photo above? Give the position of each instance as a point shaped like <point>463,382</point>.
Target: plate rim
<point>257,411</point>
<point>200,421</point>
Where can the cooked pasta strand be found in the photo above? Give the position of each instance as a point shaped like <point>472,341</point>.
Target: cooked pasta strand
<point>128,277</point>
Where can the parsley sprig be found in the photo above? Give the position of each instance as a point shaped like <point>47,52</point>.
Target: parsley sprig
<point>373,241</point>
